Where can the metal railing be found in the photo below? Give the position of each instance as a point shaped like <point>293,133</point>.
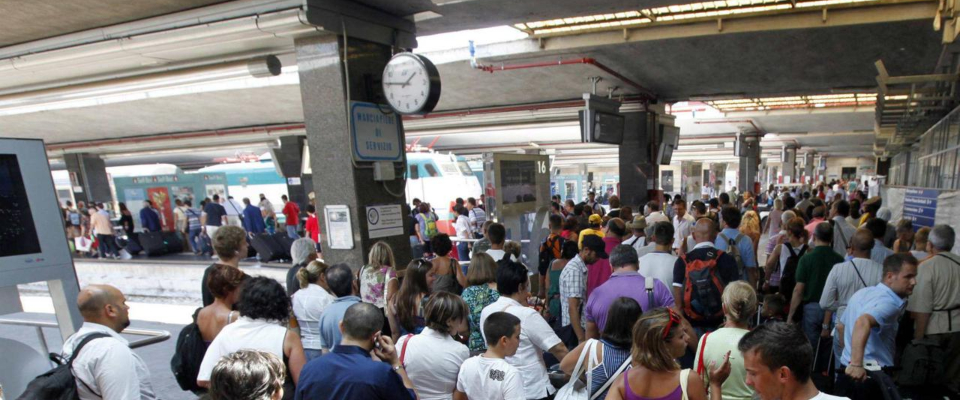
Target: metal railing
<point>153,336</point>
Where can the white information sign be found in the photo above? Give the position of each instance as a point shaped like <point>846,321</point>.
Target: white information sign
<point>375,135</point>
<point>339,231</point>
<point>384,221</point>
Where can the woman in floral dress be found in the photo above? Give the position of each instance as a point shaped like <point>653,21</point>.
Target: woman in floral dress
<point>378,280</point>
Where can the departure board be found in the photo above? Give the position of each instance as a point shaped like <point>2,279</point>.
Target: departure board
<point>18,233</point>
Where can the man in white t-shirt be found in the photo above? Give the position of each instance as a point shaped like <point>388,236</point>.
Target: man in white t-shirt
<point>659,264</point>
<point>489,375</point>
<point>654,214</point>
<point>496,233</point>
<point>536,335</point>
<point>778,358</point>
<point>682,222</point>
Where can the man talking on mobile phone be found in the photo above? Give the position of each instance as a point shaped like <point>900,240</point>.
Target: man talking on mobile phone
<point>348,372</point>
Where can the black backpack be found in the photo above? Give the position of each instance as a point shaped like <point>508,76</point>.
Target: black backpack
<point>59,382</point>
<point>548,252</point>
<point>188,355</point>
<point>788,277</point>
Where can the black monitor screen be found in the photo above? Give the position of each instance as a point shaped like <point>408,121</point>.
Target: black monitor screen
<point>18,234</point>
<point>518,181</point>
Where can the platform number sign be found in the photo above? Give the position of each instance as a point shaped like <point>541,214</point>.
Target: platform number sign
<point>542,167</point>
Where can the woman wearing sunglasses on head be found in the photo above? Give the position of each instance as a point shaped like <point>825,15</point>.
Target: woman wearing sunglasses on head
<point>658,340</point>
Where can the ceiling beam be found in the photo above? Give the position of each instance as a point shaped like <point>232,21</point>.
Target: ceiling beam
<point>807,19</point>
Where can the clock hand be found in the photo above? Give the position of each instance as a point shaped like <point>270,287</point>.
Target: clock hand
<point>394,83</point>
<point>409,79</point>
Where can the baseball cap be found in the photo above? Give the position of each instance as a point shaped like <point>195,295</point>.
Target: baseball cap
<point>595,243</point>
<point>595,219</point>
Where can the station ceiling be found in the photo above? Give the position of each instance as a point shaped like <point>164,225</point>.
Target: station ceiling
<point>677,66</point>
<point>41,19</point>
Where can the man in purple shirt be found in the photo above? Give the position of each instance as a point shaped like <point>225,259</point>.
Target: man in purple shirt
<point>626,281</point>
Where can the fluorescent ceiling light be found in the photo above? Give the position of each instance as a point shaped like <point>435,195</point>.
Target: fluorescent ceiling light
<point>424,16</point>
<point>229,76</point>
<point>448,2</point>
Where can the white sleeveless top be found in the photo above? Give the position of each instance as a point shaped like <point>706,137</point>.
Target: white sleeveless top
<point>245,333</point>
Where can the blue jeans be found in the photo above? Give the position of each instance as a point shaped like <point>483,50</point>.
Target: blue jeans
<point>196,241</point>
<point>107,246</point>
<point>812,322</point>
<point>311,353</point>
<point>463,251</point>
<point>292,232</point>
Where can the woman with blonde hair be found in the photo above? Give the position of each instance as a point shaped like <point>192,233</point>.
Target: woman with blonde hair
<point>658,340</point>
<point>773,220</point>
<point>791,244</point>
<point>739,306</point>
<point>308,304</point>
<point>750,227</point>
<point>378,279</point>
<point>920,240</point>
<point>480,292</point>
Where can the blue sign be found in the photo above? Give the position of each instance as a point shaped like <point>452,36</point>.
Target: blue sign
<point>376,136</point>
<point>920,206</point>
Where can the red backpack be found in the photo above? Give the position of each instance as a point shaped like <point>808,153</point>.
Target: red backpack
<point>703,289</point>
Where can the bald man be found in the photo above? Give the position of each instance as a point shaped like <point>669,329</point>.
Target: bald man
<point>106,368</point>
<point>706,313</point>
<point>847,278</point>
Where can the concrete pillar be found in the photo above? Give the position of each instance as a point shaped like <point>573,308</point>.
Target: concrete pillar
<point>289,161</point>
<point>638,174</point>
<point>325,84</point>
<point>883,166</point>
<point>808,165</point>
<point>88,178</point>
<point>788,157</point>
<point>749,153</point>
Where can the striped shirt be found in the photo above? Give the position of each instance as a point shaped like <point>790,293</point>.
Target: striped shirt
<point>844,280</point>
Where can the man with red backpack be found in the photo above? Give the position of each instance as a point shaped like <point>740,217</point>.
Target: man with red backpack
<point>699,278</point>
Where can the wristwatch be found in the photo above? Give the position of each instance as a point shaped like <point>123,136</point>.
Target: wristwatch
<point>398,367</point>
<point>825,326</point>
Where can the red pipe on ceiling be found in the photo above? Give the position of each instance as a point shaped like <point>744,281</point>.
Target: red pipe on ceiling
<point>586,60</point>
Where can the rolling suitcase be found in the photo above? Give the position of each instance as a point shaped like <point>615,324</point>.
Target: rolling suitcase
<point>284,242</point>
<point>173,243</point>
<point>133,245</point>
<point>266,247</point>
<point>152,243</point>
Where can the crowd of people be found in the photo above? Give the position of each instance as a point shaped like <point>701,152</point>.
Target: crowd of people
<point>673,302</point>
<point>194,227</point>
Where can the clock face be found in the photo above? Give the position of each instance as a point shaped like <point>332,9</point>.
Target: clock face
<point>411,84</point>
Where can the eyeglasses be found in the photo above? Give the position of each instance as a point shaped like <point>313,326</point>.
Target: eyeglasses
<point>674,319</point>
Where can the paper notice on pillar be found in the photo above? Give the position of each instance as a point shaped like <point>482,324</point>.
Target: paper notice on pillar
<point>384,221</point>
<point>293,181</point>
<point>375,135</point>
<point>339,229</point>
